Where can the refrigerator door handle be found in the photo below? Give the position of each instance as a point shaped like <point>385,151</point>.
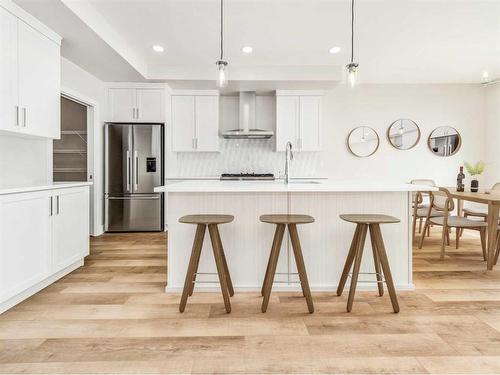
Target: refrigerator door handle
<point>128,170</point>
<point>155,198</point>
<point>136,171</point>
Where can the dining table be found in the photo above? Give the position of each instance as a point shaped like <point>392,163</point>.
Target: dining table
<point>492,200</point>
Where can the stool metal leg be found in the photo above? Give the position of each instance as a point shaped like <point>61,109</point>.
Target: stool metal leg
<point>376,262</point>
<point>385,266</point>
<point>357,265</point>
<point>273,261</point>
<point>220,266</point>
<point>349,260</point>
<point>190,275</point>
<point>226,269</point>
<point>299,261</point>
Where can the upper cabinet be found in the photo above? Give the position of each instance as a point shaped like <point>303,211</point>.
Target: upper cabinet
<point>136,105</point>
<point>195,122</point>
<point>30,75</point>
<point>298,120</point>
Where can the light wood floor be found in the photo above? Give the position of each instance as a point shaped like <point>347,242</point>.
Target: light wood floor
<point>112,316</point>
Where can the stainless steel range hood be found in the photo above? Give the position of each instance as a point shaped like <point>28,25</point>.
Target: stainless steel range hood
<point>247,128</point>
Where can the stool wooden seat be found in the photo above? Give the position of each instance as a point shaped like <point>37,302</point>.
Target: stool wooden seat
<point>281,222</point>
<point>226,285</point>
<point>287,219</point>
<point>364,223</point>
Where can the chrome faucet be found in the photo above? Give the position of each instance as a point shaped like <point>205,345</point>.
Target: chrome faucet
<point>288,157</point>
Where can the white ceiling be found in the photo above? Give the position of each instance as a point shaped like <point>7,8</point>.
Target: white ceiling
<point>397,41</point>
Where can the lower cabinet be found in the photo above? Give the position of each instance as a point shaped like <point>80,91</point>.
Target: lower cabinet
<point>70,227</point>
<point>41,234</point>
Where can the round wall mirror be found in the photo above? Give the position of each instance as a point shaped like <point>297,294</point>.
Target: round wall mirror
<point>403,134</point>
<point>444,141</point>
<point>363,141</point>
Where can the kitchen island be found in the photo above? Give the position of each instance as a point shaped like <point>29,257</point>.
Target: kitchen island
<point>325,243</point>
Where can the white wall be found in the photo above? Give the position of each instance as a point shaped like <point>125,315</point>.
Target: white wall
<point>23,161</point>
<point>430,106</point>
<point>492,109</point>
<point>90,89</point>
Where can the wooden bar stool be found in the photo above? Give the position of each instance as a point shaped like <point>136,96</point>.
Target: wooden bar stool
<point>364,223</point>
<point>202,221</point>
<point>281,222</point>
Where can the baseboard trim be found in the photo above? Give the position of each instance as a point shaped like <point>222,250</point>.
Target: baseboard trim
<point>285,288</point>
<point>12,301</point>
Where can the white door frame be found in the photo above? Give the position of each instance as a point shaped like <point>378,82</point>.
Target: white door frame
<point>95,225</point>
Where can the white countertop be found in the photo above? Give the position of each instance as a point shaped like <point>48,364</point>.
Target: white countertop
<point>55,185</point>
<point>211,186</point>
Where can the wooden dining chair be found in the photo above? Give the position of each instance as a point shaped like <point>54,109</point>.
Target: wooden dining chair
<point>481,212</point>
<point>419,206</point>
<point>442,201</point>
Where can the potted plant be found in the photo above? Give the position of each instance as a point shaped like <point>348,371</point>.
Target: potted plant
<point>474,170</point>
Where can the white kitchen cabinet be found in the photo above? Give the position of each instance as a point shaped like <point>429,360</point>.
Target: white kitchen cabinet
<point>136,105</point>
<point>30,76</point>
<point>150,105</point>
<point>8,71</point>
<point>195,123</point>
<point>70,226</point>
<point>43,236</point>
<point>121,104</point>
<point>39,83</point>
<point>207,123</point>
<point>287,121</point>
<point>183,126</point>
<point>25,241</point>
<point>298,120</point>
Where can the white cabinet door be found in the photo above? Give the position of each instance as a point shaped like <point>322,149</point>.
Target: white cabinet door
<point>70,228</point>
<point>150,105</point>
<point>183,123</point>
<point>39,83</point>
<point>310,123</point>
<point>207,123</point>
<point>122,105</point>
<point>8,72</point>
<point>25,233</point>
<point>287,121</point>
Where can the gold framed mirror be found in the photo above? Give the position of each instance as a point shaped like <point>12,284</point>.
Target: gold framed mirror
<point>403,134</point>
<point>363,141</point>
<point>444,141</point>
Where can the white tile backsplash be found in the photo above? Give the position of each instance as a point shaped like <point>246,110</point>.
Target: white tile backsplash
<point>247,156</point>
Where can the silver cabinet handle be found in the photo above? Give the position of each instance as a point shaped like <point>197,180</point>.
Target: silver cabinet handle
<point>24,116</point>
<point>57,205</point>
<point>17,115</point>
<point>128,170</point>
<point>136,170</point>
<point>196,143</point>
<point>192,143</point>
<point>133,113</point>
<point>137,112</point>
<point>50,204</point>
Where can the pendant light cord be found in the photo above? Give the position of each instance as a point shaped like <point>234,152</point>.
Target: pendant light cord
<point>352,31</point>
<point>221,29</point>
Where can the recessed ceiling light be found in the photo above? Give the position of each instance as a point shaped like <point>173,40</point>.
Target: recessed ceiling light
<point>158,48</point>
<point>334,50</point>
<point>247,49</point>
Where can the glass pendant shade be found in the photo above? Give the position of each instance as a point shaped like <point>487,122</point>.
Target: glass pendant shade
<point>352,73</point>
<point>221,74</point>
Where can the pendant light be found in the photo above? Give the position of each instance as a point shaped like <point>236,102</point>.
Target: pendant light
<point>221,64</point>
<point>352,66</point>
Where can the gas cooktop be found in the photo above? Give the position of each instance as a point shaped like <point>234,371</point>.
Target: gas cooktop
<point>247,176</point>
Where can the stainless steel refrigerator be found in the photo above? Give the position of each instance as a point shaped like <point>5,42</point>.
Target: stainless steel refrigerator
<point>133,167</point>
